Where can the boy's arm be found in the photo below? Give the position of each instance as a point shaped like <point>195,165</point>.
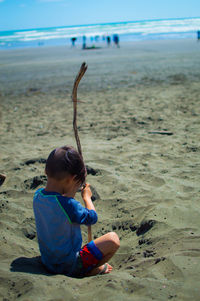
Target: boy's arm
<point>76,212</point>
<point>86,195</point>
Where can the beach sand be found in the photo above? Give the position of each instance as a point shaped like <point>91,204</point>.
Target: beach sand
<point>147,181</point>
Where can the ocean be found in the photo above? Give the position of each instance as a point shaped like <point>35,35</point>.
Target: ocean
<point>96,33</point>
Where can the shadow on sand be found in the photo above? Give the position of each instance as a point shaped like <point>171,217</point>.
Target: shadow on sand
<point>29,265</point>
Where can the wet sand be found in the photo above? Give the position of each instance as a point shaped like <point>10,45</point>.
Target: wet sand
<point>139,129</point>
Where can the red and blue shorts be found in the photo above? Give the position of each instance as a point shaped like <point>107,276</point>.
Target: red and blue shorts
<point>88,257</point>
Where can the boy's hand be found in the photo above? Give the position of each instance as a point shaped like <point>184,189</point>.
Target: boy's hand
<point>86,191</point>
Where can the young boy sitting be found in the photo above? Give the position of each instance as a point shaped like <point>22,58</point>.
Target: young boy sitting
<point>58,217</point>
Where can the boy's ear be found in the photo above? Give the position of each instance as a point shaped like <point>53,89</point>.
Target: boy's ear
<point>70,178</point>
<point>74,178</point>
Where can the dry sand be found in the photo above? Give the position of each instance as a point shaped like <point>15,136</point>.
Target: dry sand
<point>148,183</point>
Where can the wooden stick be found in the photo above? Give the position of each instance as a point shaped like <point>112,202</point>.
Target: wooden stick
<point>74,99</point>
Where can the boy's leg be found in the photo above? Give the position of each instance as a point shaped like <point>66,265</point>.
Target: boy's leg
<point>108,244</point>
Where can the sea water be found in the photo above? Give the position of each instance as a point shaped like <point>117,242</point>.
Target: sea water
<point>96,33</point>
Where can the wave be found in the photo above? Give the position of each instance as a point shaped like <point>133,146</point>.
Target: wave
<point>139,28</point>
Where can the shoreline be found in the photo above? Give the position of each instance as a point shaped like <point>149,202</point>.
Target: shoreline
<point>126,39</point>
<point>103,45</point>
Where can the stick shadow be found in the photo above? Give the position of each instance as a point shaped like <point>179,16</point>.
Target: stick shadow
<point>29,265</point>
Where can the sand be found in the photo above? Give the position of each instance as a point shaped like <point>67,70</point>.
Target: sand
<point>147,181</point>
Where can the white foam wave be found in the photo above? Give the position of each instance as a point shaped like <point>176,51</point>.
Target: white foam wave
<point>137,28</point>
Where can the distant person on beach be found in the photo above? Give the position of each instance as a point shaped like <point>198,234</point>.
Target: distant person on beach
<point>84,42</point>
<point>198,35</point>
<point>73,40</point>
<point>108,40</point>
<point>96,38</point>
<point>58,217</point>
<point>116,40</point>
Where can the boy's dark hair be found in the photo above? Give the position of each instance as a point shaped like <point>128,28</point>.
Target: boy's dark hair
<point>64,161</point>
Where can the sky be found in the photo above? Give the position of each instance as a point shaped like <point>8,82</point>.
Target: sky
<point>28,14</point>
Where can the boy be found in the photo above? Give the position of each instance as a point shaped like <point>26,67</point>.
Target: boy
<point>58,217</point>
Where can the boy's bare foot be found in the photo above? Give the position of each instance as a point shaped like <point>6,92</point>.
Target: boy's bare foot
<point>103,269</point>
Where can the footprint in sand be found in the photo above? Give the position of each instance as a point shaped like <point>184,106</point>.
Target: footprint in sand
<point>28,228</point>
<point>3,201</point>
<point>34,161</point>
<point>34,182</point>
<point>151,180</point>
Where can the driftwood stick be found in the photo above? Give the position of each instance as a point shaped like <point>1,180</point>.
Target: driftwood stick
<point>74,99</point>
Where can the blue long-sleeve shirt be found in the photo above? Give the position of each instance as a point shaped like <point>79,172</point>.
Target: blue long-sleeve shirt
<point>58,221</point>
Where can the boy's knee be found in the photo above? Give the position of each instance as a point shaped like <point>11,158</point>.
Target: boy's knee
<point>115,239</point>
